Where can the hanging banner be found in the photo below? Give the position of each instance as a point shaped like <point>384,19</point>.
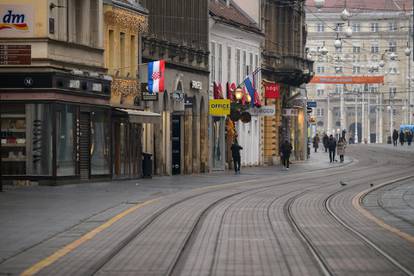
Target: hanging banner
<point>268,110</point>
<point>219,107</point>
<point>347,80</point>
<point>272,91</point>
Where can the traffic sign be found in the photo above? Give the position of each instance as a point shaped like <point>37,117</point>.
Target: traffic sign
<point>309,109</point>
<point>311,104</point>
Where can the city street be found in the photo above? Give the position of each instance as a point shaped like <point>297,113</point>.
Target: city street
<point>317,218</point>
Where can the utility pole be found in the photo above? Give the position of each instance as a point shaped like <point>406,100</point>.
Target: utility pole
<point>356,119</point>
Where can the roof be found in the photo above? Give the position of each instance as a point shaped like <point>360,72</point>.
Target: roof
<point>364,5</point>
<point>232,14</point>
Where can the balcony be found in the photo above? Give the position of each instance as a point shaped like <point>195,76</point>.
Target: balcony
<point>289,69</point>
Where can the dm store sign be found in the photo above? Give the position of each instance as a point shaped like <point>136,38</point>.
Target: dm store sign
<point>16,20</point>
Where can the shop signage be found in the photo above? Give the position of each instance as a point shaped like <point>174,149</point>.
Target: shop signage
<point>74,84</point>
<point>272,91</point>
<point>16,20</point>
<point>15,54</point>
<point>269,110</point>
<point>97,87</point>
<point>288,112</point>
<point>219,107</point>
<point>196,85</point>
<point>311,104</point>
<point>347,79</point>
<point>178,96</point>
<point>145,95</point>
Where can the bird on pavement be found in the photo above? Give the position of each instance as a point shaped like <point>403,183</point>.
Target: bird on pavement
<point>372,185</point>
<point>342,183</point>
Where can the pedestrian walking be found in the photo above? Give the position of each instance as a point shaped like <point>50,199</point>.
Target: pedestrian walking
<point>409,137</point>
<point>402,138</point>
<point>316,142</point>
<point>395,137</point>
<point>235,153</point>
<point>340,148</point>
<point>285,151</point>
<point>332,148</point>
<point>325,141</point>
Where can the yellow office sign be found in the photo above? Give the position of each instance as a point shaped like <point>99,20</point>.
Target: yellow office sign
<point>219,107</point>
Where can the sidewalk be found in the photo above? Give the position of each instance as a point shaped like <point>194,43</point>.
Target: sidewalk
<point>31,215</point>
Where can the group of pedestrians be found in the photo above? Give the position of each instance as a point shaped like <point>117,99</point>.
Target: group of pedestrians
<point>402,137</point>
<point>332,145</point>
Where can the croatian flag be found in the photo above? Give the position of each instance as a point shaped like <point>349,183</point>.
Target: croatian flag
<point>156,76</point>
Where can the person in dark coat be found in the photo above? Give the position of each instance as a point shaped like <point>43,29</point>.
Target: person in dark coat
<point>316,141</point>
<point>285,151</point>
<point>325,141</point>
<point>409,137</point>
<point>332,148</point>
<point>235,153</point>
<point>402,138</point>
<point>395,137</point>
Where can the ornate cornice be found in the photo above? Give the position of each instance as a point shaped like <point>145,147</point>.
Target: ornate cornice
<point>125,87</point>
<point>127,20</point>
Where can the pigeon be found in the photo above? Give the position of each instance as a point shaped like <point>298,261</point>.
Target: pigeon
<point>372,185</point>
<point>342,183</point>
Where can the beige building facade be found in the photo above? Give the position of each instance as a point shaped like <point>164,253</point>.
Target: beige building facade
<point>377,47</point>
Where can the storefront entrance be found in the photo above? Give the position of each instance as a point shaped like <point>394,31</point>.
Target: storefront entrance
<point>176,144</point>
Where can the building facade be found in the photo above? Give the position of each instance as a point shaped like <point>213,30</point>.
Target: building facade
<point>124,23</point>
<point>55,96</point>
<point>180,37</point>
<point>284,62</point>
<point>235,52</point>
<point>368,112</point>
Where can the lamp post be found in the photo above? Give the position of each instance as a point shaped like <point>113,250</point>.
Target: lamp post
<point>408,55</point>
<point>391,118</point>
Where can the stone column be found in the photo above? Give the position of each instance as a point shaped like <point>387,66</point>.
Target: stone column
<point>196,143</point>
<point>188,142</point>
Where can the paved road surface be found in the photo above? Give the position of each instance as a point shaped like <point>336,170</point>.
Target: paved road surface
<point>264,222</point>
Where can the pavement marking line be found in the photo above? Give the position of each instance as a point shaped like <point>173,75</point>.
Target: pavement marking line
<point>75,244</point>
<point>357,203</point>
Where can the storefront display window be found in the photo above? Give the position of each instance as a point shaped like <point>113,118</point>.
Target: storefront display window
<point>65,140</point>
<point>218,142</point>
<point>100,143</point>
<point>26,139</point>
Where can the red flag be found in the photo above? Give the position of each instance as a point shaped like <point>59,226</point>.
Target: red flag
<point>218,93</point>
<point>257,101</point>
<point>272,91</point>
<point>229,92</point>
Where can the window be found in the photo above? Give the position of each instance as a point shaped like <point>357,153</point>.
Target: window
<point>392,46</point>
<point>229,64</point>
<point>320,112</point>
<point>339,88</point>
<point>339,27</point>
<point>356,27</point>
<point>111,49</point>
<point>213,61</point>
<point>320,69</point>
<point>100,138</point>
<point>374,27</point>
<point>238,66</point>
<point>356,69</point>
<point>393,91</point>
<point>356,49</point>
<point>122,54</point>
<point>65,140</point>
<point>133,56</point>
<point>220,63</point>
<point>392,26</point>
<point>244,64</point>
<point>374,48</point>
<point>356,58</point>
<point>320,27</point>
<point>393,70</point>
<point>320,92</point>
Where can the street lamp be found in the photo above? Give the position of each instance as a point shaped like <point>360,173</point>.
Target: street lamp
<point>389,108</point>
<point>319,4</point>
<point>345,15</point>
<point>239,94</point>
<point>348,31</point>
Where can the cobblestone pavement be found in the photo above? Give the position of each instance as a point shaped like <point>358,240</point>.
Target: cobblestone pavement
<point>266,221</point>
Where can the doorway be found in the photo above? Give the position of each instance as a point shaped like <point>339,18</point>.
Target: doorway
<point>176,144</point>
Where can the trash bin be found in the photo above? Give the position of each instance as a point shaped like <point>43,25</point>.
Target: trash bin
<point>147,165</point>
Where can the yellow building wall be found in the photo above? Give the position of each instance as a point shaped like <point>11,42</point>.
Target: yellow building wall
<point>121,55</point>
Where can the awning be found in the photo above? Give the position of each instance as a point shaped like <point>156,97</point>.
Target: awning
<point>141,116</point>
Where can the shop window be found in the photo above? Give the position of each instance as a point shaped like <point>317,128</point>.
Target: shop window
<point>26,139</point>
<point>100,138</point>
<point>65,140</point>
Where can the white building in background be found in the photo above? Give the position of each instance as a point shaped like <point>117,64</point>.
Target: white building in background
<point>235,39</point>
<point>380,33</point>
